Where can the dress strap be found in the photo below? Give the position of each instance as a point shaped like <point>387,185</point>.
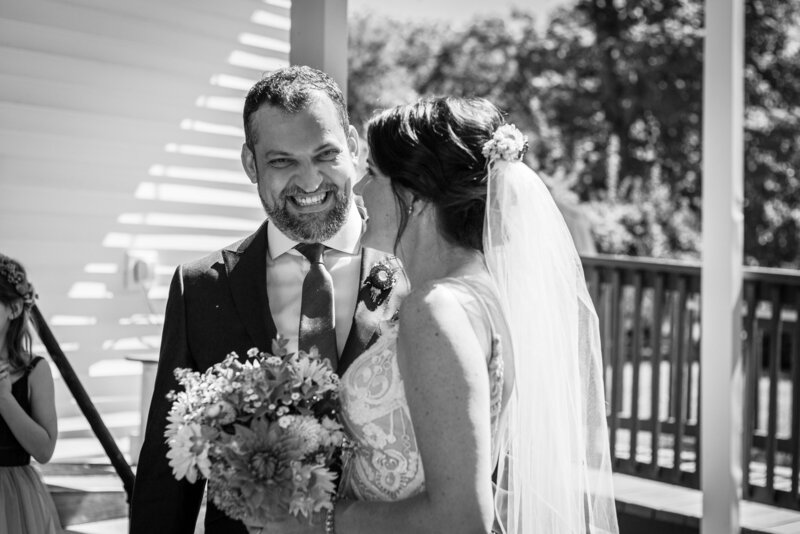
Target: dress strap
<point>495,362</point>
<point>33,363</point>
<point>480,299</point>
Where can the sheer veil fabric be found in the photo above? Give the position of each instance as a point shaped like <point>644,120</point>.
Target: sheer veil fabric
<point>554,473</point>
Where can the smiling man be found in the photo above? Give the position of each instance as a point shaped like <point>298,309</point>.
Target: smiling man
<point>303,274</point>
<point>301,152</point>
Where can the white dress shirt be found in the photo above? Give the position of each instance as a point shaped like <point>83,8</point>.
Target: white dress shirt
<point>287,268</point>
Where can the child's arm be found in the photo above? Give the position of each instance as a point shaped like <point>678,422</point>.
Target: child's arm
<point>36,433</point>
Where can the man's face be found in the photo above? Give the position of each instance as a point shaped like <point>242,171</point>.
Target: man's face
<point>304,166</point>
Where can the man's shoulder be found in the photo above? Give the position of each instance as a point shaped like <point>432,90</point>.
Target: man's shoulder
<point>210,263</point>
<point>201,266</point>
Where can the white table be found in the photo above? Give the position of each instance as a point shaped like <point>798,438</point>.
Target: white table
<point>149,366</point>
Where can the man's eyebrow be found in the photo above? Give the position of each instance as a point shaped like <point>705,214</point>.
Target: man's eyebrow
<point>270,153</point>
<point>327,146</point>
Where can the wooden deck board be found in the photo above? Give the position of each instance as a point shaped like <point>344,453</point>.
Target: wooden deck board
<point>789,528</point>
<point>683,506</point>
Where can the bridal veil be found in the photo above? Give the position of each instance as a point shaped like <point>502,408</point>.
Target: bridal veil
<point>554,473</point>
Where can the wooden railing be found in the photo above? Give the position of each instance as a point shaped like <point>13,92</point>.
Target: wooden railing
<point>83,400</point>
<point>771,452</point>
<point>650,325</point>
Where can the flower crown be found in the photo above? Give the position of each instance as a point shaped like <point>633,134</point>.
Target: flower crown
<point>15,277</point>
<point>507,144</point>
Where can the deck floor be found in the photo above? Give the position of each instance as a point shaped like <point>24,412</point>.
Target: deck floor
<point>682,507</point>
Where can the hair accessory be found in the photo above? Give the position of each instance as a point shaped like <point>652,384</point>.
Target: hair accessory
<point>15,277</point>
<point>409,210</point>
<point>507,144</point>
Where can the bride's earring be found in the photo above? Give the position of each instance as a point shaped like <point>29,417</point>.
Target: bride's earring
<point>410,208</point>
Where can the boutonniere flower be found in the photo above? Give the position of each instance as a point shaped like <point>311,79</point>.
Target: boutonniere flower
<point>378,285</point>
<point>381,277</point>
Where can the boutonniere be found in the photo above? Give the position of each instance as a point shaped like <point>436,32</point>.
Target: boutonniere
<point>378,285</point>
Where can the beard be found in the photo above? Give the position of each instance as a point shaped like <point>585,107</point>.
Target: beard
<point>309,227</point>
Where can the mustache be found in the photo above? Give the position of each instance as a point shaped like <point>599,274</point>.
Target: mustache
<point>297,191</point>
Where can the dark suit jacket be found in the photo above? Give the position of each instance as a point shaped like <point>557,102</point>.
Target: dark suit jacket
<point>216,305</point>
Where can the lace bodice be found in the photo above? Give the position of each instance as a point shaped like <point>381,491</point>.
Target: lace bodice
<point>384,464</point>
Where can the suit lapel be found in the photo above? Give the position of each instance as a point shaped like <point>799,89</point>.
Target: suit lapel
<point>246,267</point>
<point>368,316</point>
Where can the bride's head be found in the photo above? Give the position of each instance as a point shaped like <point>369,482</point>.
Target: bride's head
<point>427,157</point>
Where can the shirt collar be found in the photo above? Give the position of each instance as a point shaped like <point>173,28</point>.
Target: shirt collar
<point>347,239</point>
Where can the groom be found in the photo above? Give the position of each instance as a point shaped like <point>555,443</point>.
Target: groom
<point>300,151</point>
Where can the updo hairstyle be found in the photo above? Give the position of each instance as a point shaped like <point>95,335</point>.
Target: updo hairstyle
<point>432,150</point>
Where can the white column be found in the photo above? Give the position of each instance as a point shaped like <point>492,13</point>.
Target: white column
<point>318,37</point>
<point>723,176</point>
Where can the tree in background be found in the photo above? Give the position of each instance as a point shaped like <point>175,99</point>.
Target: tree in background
<point>635,70</point>
<point>376,78</point>
<point>610,95</point>
<point>772,133</point>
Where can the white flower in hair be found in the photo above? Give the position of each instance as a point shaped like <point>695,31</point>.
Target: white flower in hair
<point>507,143</point>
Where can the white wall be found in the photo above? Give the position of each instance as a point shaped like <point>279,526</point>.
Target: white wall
<point>120,131</point>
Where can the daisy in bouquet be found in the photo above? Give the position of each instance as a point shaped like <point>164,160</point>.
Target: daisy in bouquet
<point>263,432</point>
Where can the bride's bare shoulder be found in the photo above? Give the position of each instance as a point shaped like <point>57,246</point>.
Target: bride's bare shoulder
<point>431,298</point>
<point>437,308</point>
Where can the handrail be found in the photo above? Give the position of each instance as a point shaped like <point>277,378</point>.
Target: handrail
<point>644,264</point>
<point>688,267</point>
<point>84,402</point>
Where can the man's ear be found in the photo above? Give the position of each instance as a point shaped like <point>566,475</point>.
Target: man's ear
<point>249,163</point>
<point>352,142</point>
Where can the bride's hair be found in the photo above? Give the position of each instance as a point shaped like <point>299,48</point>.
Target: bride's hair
<point>432,150</point>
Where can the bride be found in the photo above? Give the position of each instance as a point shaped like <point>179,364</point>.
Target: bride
<point>483,409</point>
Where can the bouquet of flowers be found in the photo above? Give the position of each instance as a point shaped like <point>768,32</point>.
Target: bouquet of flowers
<point>263,432</point>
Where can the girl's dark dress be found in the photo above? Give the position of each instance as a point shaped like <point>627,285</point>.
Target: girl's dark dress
<point>25,504</point>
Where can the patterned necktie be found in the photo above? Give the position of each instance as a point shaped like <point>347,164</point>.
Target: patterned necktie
<point>316,308</point>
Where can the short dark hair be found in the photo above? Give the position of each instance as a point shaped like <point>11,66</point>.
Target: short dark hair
<point>433,150</point>
<point>291,89</point>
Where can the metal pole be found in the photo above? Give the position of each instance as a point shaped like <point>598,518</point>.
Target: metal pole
<point>721,278</point>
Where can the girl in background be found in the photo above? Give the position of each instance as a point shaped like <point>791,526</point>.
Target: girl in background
<point>28,426</point>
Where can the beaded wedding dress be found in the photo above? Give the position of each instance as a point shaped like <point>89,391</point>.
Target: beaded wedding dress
<point>384,464</point>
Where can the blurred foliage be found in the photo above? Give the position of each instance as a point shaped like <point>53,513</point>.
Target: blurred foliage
<point>610,94</point>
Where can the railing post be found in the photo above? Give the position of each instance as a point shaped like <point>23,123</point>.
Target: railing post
<point>751,355</point>
<point>721,277</point>
<point>655,380</point>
